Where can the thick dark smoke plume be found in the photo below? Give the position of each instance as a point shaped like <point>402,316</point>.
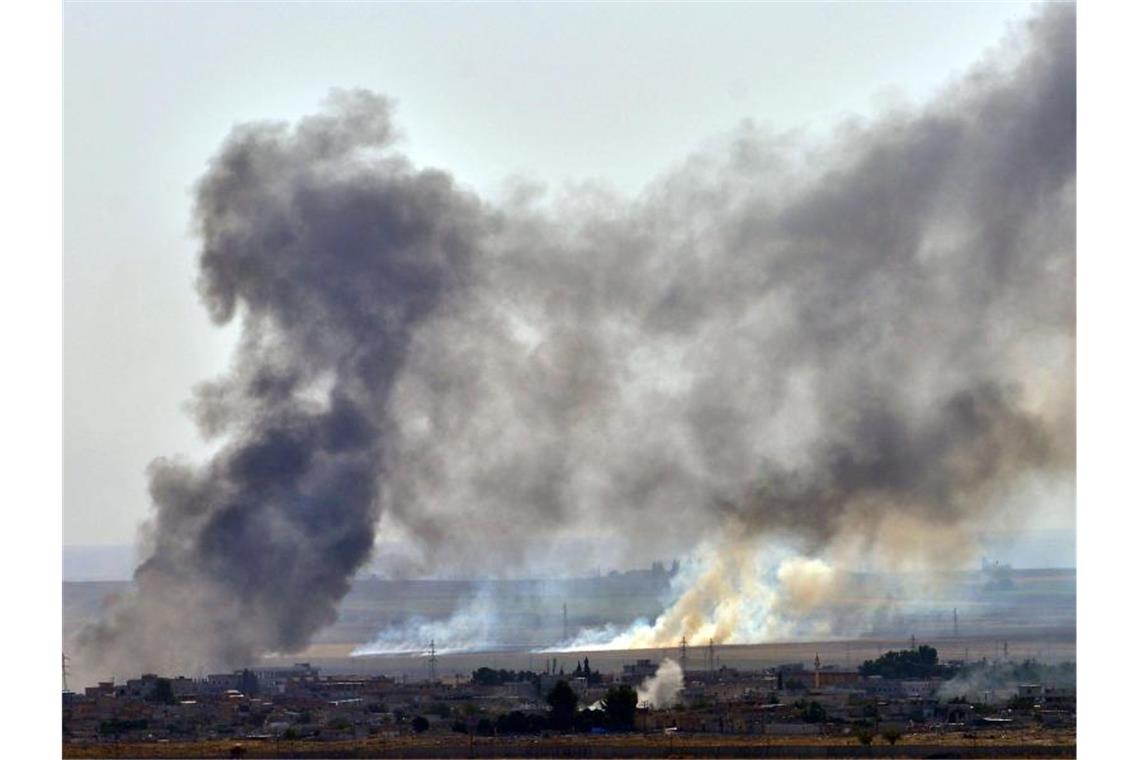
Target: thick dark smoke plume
<point>821,341</point>
<point>331,250</point>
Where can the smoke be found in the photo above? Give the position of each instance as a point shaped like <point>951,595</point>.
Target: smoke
<point>492,619</point>
<point>330,249</point>
<point>999,681</point>
<point>865,344</point>
<point>782,358</point>
<point>859,352</point>
<point>663,687</point>
<point>474,627</point>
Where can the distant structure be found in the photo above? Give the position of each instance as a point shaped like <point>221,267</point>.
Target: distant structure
<point>912,643</point>
<point>565,624</point>
<point>684,655</point>
<point>432,660</point>
<point>639,671</point>
<point>65,660</point>
<point>712,657</point>
<point>816,685</point>
<point>955,622</point>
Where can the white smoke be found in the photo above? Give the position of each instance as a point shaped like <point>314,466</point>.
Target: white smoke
<point>471,628</point>
<point>663,687</point>
<point>733,592</point>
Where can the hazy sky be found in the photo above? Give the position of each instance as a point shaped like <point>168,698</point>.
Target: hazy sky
<point>554,93</point>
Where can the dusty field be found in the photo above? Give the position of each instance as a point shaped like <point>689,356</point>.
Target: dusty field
<point>1045,645</point>
<point>1036,616</point>
<point>1012,744</point>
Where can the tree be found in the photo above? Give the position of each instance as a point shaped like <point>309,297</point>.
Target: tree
<point>813,712</point>
<point>918,663</point>
<point>563,704</point>
<point>892,734</point>
<point>620,706</point>
<point>865,735</point>
<point>419,724</point>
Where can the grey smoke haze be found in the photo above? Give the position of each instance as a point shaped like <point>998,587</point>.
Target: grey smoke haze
<point>863,345</point>
<point>795,337</point>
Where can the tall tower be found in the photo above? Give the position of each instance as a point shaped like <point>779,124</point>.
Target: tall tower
<point>711,655</point>
<point>684,654</point>
<point>65,661</point>
<point>817,670</point>
<point>432,660</point>
<point>912,643</point>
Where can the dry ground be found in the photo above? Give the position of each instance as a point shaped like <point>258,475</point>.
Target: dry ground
<point>1027,743</point>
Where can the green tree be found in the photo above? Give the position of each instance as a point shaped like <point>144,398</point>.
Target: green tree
<point>620,706</point>
<point>563,704</point>
<point>907,663</point>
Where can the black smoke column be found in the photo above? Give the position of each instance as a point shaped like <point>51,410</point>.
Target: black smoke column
<point>329,249</point>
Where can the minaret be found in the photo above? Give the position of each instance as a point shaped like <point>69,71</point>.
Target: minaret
<point>817,670</point>
<point>432,660</point>
<point>684,654</point>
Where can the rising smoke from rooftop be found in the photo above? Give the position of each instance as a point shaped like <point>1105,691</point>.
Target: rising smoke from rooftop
<point>863,345</point>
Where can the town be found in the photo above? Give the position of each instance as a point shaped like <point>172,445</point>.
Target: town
<point>903,697</point>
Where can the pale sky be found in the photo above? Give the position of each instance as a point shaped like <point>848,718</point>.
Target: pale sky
<point>553,93</point>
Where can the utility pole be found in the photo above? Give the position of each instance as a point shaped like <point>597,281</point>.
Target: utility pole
<point>432,660</point>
